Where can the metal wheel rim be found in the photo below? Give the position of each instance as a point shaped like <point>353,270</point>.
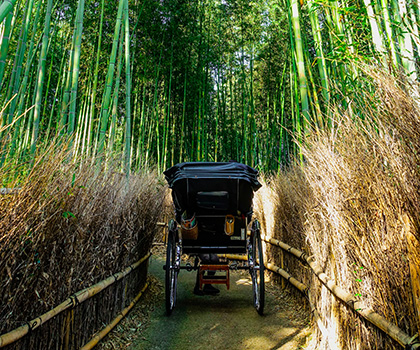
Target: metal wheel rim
<point>171,274</point>
<point>257,271</point>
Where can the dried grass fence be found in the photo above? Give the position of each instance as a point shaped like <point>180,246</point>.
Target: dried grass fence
<point>353,205</point>
<point>69,306</point>
<point>70,226</point>
<point>406,341</point>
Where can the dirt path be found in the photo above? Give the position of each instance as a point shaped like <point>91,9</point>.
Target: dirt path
<point>226,321</point>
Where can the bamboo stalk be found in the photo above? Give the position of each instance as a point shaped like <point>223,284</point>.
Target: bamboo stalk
<point>367,313</point>
<point>77,298</point>
<point>92,113</point>
<point>40,77</point>
<point>106,100</point>
<point>97,338</point>
<point>5,45</point>
<point>78,30</point>
<point>5,8</point>
<point>127,147</point>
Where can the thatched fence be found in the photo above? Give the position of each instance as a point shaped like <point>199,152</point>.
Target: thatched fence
<point>343,296</point>
<point>73,315</point>
<point>70,226</point>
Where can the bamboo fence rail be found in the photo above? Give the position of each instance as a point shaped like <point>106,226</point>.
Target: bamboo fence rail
<point>367,313</point>
<point>77,298</point>
<point>4,191</point>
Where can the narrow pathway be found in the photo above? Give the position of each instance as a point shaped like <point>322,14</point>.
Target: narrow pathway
<point>226,321</point>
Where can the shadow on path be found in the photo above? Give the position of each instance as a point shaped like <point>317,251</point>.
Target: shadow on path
<point>226,321</point>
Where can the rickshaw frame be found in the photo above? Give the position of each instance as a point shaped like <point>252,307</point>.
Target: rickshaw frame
<point>213,191</point>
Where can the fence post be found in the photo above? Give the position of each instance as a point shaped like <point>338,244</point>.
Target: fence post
<point>413,252</point>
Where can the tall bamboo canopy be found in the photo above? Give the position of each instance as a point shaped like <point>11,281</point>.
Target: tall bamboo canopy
<point>168,81</point>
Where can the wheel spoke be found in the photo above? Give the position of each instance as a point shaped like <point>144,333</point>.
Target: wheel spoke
<point>257,269</point>
<point>171,273</point>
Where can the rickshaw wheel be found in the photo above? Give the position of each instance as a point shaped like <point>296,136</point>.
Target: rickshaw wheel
<point>171,271</point>
<point>257,268</point>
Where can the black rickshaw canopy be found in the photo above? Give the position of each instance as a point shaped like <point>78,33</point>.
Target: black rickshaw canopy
<point>193,182</point>
<point>212,170</point>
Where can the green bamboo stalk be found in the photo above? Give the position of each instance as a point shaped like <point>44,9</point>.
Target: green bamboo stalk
<point>282,124</point>
<point>149,139</point>
<point>322,65</point>
<point>40,79</point>
<point>244,145</point>
<point>252,107</point>
<point>14,82</point>
<point>127,164</point>
<point>76,65</point>
<point>414,27</point>
<point>184,100</point>
<point>44,112</point>
<point>300,61</point>
<point>30,56</point>
<point>155,110</point>
<point>109,81</point>
<point>66,93</point>
<point>5,45</point>
<point>78,141</point>
<point>10,96</point>
<point>112,131</point>
<point>217,116</point>
<point>406,45</point>
<point>59,86</point>
<point>5,8</point>
<point>168,112</point>
<point>85,138</point>
<point>20,57</point>
<point>95,79</point>
<point>136,123</point>
<point>375,31</point>
<point>142,131</point>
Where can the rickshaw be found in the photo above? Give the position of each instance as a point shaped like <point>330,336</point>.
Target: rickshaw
<point>213,215</point>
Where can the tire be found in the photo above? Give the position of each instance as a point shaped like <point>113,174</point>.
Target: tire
<point>171,274</point>
<point>257,269</point>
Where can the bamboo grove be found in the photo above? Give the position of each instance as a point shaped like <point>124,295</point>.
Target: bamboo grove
<point>160,82</point>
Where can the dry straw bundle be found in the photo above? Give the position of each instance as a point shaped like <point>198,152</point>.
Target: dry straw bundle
<point>69,226</point>
<point>354,205</point>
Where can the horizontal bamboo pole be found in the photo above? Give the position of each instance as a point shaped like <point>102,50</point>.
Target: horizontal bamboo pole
<point>98,337</point>
<point>75,299</point>
<point>9,190</point>
<point>367,313</point>
<point>299,285</point>
<point>233,256</point>
<point>284,246</point>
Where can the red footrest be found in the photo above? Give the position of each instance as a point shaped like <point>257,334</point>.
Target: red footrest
<point>219,279</point>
